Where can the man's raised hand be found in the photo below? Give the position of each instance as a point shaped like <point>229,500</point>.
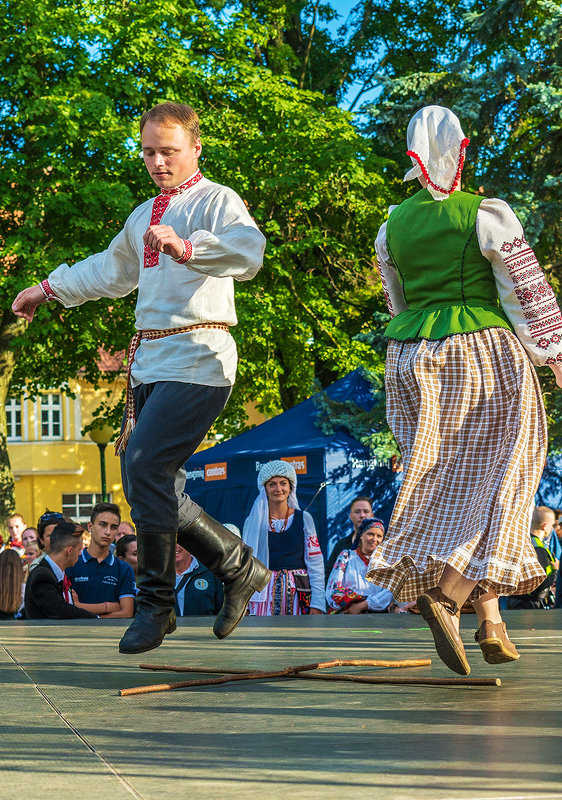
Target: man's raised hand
<point>26,302</point>
<point>164,239</point>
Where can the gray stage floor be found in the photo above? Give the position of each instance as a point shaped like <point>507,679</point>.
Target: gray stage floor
<point>66,733</point>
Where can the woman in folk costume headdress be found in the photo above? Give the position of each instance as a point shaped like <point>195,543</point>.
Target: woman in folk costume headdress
<point>471,313</point>
<point>348,590</point>
<point>284,537</point>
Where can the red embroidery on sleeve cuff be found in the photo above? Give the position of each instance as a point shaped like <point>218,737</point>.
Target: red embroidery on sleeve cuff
<point>187,252</point>
<point>47,291</point>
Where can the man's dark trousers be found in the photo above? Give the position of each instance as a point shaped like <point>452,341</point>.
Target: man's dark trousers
<point>172,419</point>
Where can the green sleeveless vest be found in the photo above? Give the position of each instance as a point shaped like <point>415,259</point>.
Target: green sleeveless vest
<point>447,283</point>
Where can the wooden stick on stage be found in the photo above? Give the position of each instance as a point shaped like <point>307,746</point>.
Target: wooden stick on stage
<point>303,671</point>
<point>345,662</point>
<point>164,687</point>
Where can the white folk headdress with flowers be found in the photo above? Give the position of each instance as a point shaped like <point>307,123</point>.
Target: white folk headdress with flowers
<point>436,145</point>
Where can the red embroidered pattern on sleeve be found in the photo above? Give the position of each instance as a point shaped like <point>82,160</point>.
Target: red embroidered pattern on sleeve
<point>534,294</point>
<point>187,252</point>
<point>48,292</point>
<point>313,546</point>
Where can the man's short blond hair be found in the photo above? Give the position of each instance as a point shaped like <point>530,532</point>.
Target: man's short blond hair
<point>173,114</point>
<point>542,515</point>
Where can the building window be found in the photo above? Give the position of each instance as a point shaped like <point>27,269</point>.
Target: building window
<point>51,416</point>
<point>79,506</point>
<point>13,419</point>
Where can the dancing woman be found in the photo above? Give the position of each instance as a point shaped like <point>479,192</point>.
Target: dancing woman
<point>471,312</point>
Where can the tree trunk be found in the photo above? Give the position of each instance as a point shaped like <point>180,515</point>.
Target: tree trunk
<point>9,327</point>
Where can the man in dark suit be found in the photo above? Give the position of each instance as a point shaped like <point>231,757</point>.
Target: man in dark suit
<point>48,592</point>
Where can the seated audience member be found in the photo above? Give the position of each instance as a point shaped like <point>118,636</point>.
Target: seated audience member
<point>348,590</point>
<point>125,529</point>
<point>45,526</point>
<point>542,597</point>
<point>126,550</point>
<point>12,584</point>
<point>31,553</point>
<point>361,508</point>
<point>198,592</point>
<point>48,591</point>
<point>105,585</point>
<point>29,535</point>
<point>16,527</point>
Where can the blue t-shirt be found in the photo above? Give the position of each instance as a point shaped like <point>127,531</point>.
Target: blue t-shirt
<point>101,581</point>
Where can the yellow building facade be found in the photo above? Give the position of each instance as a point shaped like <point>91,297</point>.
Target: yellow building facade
<point>54,466</point>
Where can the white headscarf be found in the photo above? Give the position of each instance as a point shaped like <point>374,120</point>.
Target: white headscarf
<point>436,145</point>
<point>256,526</point>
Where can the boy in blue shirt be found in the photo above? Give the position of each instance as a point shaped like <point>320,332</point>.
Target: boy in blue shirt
<point>104,584</point>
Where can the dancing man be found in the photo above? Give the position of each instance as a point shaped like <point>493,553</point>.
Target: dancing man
<point>471,309</point>
<point>182,251</point>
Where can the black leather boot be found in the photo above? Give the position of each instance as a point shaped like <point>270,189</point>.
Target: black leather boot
<point>231,561</point>
<point>156,577</point>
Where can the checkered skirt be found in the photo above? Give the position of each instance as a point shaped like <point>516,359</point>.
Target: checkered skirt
<point>468,416</point>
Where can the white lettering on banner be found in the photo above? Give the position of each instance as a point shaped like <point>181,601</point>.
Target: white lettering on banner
<point>215,472</point>
<point>367,463</point>
<point>195,473</point>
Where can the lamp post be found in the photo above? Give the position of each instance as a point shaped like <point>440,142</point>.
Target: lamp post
<point>101,435</point>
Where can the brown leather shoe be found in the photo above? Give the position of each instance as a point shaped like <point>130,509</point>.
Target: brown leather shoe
<point>438,611</point>
<point>495,644</point>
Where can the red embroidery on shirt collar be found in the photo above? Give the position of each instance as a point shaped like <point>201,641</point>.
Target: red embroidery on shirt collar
<point>464,145</point>
<point>184,186</point>
<point>159,205</point>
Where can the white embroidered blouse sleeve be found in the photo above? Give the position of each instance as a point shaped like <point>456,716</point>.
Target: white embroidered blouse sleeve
<point>112,273</point>
<point>314,561</point>
<point>379,600</point>
<point>335,587</point>
<point>524,292</point>
<point>390,279</point>
<point>233,246</point>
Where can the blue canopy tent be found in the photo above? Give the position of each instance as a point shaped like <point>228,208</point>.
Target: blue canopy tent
<point>223,479</point>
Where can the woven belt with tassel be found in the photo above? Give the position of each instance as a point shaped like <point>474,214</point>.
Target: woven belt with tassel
<point>150,333</point>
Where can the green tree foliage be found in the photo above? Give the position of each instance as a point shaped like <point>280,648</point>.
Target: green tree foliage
<point>77,76</point>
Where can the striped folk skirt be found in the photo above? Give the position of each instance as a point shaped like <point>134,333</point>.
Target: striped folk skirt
<point>282,595</point>
<point>468,416</point>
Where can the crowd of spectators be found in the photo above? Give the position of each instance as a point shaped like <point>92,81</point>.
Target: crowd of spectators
<point>63,570</point>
